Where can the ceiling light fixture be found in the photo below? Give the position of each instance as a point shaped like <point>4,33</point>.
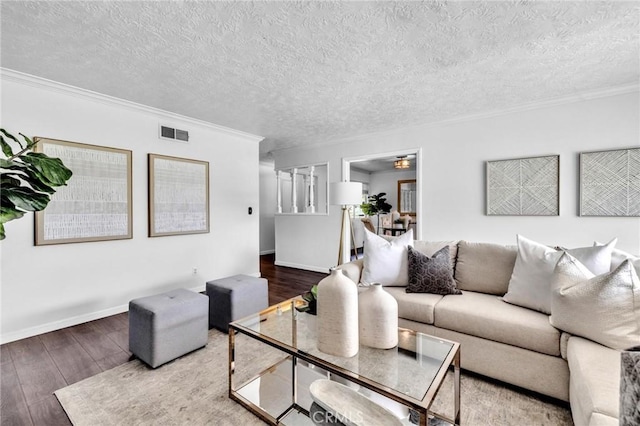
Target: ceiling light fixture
<point>401,163</point>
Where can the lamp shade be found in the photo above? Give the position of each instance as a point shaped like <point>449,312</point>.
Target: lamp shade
<point>345,193</point>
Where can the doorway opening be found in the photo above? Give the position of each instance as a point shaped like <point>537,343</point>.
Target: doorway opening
<point>379,173</point>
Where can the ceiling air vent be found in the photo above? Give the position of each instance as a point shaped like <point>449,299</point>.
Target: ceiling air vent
<point>174,134</point>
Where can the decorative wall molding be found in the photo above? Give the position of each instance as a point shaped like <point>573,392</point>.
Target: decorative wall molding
<point>54,86</point>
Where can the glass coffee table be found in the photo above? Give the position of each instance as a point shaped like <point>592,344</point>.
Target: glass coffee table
<point>274,359</point>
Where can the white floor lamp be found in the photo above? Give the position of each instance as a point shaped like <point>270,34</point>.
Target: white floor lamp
<point>345,194</point>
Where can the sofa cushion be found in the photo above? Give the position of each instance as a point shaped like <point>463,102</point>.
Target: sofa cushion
<point>619,256</point>
<point>414,306</point>
<point>530,284</point>
<point>352,269</point>
<point>487,316</point>
<point>603,308</point>
<point>564,340</point>
<point>385,260</point>
<point>431,274</point>
<point>431,247</point>
<point>594,383</point>
<point>484,267</point>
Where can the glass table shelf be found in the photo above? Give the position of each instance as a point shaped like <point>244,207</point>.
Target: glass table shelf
<point>404,379</point>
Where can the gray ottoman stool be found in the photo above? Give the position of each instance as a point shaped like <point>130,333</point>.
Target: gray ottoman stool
<point>235,297</point>
<point>168,325</point>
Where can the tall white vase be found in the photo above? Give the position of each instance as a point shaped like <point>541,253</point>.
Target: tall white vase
<point>338,315</point>
<point>378,318</point>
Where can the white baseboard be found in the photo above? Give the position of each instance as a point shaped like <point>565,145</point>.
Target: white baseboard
<point>63,323</point>
<point>262,253</point>
<point>71,321</point>
<point>313,268</point>
<point>200,288</point>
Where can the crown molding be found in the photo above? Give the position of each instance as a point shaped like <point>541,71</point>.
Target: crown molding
<point>54,86</point>
<point>546,103</point>
<point>581,97</point>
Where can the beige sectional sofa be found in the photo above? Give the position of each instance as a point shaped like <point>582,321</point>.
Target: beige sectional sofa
<point>507,342</point>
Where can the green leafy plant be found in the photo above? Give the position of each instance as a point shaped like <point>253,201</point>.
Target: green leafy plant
<point>311,297</point>
<point>377,205</point>
<point>27,178</point>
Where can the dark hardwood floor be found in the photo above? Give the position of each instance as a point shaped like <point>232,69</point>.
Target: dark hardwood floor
<point>33,368</point>
<point>285,283</point>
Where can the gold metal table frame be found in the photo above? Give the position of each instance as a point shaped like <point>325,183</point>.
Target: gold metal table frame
<point>279,327</point>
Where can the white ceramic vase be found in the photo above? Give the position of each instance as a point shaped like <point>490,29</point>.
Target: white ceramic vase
<point>406,220</point>
<point>338,315</point>
<point>378,318</point>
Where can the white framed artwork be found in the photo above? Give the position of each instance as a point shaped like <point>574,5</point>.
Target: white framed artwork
<point>178,196</point>
<point>96,203</point>
<point>610,183</point>
<point>523,186</point>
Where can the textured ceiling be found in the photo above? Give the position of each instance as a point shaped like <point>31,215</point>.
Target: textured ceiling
<point>310,72</point>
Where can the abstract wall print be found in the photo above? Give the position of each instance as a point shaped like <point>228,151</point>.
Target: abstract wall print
<point>178,196</point>
<point>96,203</point>
<point>524,186</point>
<point>610,183</point>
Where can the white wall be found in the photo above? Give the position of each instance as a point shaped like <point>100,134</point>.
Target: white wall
<point>268,207</point>
<point>50,287</point>
<point>387,182</point>
<point>453,183</point>
<point>360,176</point>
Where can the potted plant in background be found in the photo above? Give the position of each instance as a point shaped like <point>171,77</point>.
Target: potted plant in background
<point>377,205</point>
<point>27,178</point>
<point>311,297</point>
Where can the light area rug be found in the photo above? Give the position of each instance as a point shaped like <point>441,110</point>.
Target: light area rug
<point>193,390</point>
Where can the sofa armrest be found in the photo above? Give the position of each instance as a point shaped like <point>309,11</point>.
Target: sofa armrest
<point>353,269</point>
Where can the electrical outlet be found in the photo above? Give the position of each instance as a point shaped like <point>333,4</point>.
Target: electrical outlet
<point>195,271</point>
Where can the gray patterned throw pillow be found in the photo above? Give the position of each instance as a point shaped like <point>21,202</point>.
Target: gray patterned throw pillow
<point>431,274</point>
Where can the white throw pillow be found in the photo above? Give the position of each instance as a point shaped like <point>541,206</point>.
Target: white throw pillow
<point>386,260</point>
<point>603,308</point>
<point>619,256</point>
<point>530,284</point>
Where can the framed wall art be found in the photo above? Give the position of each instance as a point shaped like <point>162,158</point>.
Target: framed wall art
<point>523,186</point>
<point>96,203</point>
<point>178,196</point>
<point>610,183</point>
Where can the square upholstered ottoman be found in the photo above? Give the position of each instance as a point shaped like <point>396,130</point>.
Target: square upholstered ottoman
<point>168,325</point>
<point>235,297</point>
